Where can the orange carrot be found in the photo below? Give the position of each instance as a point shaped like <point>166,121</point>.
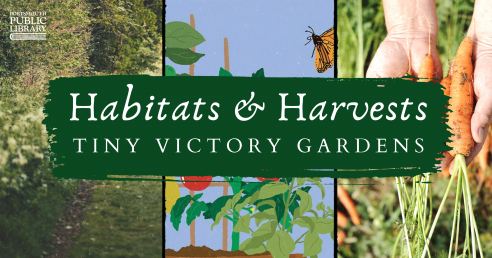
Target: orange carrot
<point>426,69</point>
<point>342,220</point>
<point>461,103</point>
<point>446,82</point>
<point>347,202</point>
<point>483,155</point>
<point>341,236</point>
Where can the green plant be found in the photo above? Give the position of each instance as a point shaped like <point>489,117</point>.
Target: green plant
<point>180,37</point>
<point>279,206</point>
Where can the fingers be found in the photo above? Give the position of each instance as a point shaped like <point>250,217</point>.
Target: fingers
<point>449,160</point>
<point>482,116</point>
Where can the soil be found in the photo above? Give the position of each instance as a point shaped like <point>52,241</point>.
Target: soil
<point>203,251</point>
<point>69,225</point>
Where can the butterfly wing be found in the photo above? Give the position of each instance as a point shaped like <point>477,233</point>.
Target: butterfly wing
<point>325,52</point>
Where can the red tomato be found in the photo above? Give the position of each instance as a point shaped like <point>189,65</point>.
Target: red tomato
<point>196,186</point>
<point>264,179</point>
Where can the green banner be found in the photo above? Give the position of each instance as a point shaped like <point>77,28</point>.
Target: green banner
<point>235,126</point>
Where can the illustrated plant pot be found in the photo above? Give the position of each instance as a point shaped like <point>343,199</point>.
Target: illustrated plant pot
<point>205,252</point>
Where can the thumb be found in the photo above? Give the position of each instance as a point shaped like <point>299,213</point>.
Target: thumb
<point>483,111</point>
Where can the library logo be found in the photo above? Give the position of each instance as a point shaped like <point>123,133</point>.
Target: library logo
<point>28,25</point>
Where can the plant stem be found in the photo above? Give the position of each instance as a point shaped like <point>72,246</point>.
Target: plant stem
<point>439,211</point>
<point>474,228</point>
<point>403,217</point>
<point>297,241</point>
<point>456,209</point>
<point>396,245</point>
<point>286,201</point>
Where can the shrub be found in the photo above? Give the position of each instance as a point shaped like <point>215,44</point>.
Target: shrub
<point>31,200</point>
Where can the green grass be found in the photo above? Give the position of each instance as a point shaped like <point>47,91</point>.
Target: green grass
<point>123,219</point>
<point>361,29</point>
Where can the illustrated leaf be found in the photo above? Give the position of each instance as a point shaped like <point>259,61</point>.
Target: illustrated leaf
<point>272,189</point>
<point>178,209</point>
<point>264,205</point>
<point>259,73</point>
<point>183,56</point>
<point>241,205</point>
<point>197,197</point>
<point>252,246</point>
<point>281,245</point>
<point>305,222</point>
<point>195,211</point>
<point>182,74</point>
<point>264,215</point>
<point>323,226</point>
<point>306,202</point>
<point>218,218</point>
<point>320,206</point>
<point>236,198</point>
<point>312,244</point>
<point>287,223</point>
<point>216,206</point>
<point>242,224</point>
<point>301,181</point>
<point>169,71</point>
<point>266,230</point>
<point>224,72</point>
<point>182,35</point>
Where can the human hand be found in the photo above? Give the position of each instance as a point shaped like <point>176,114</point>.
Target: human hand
<point>411,25</point>
<point>481,35</point>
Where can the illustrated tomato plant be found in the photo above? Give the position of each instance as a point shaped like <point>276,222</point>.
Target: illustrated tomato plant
<point>196,183</point>
<point>277,208</point>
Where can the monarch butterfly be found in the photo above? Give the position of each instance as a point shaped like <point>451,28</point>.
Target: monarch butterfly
<point>324,48</point>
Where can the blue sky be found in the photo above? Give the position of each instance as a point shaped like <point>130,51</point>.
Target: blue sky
<point>261,34</point>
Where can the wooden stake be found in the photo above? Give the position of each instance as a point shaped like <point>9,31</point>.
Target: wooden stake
<point>192,225</point>
<point>225,222</point>
<point>192,66</point>
<point>226,54</point>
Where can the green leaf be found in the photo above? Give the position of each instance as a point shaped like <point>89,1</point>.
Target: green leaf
<point>236,198</point>
<point>169,71</point>
<point>323,226</point>
<point>259,73</point>
<point>281,245</point>
<point>197,197</point>
<point>287,223</point>
<point>242,224</point>
<point>182,74</point>
<point>252,246</point>
<point>270,203</point>
<point>266,230</point>
<point>264,215</point>
<point>195,211</point>
<point>218,218</point>
<point>312,244</point>
<point>321,206</point>
<point>224,72</point>
<point>305,222</point>
<point>241,205</point>
<point>178,209</point>
<point>216,207</point>
<point>301,181</point>
<point>183,56</point>
<point>306,202</point>
<point>272,189</point>
<point>182,35</point>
